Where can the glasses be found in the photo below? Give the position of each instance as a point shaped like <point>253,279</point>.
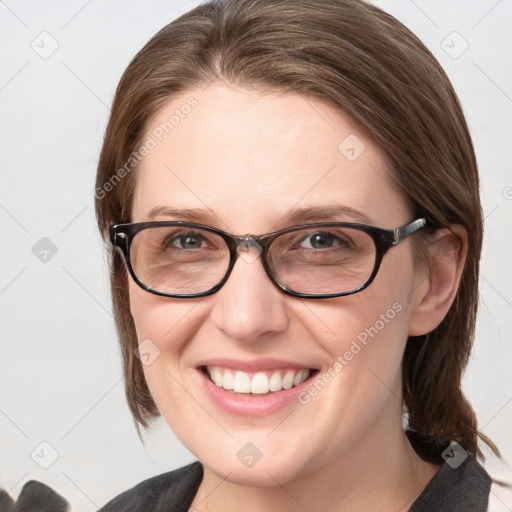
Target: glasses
<point>315,261</point>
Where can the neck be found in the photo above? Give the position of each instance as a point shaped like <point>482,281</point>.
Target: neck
<point>371,475</point>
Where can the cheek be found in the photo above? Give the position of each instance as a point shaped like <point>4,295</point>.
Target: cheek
<point>368,330</point>
<point>164,328</point>
<point>367,340</point>
<point>164,321</point>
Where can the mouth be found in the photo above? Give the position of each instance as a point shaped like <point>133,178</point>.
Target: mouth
<point>257,383</point>
<point>253,388</point>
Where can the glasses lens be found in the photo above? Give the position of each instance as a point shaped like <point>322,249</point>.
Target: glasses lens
<point>179,259</point>
<point>322,260</point>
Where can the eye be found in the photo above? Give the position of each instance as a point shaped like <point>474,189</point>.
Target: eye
<point>190,240</point>
<point>324,240</point>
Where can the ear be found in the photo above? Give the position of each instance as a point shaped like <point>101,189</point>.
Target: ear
<point>436,287</point>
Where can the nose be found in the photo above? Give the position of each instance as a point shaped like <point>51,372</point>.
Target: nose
<point>249,305</point>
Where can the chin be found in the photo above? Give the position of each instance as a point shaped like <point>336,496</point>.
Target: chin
<point>262,474</point>
<point>255,462</point>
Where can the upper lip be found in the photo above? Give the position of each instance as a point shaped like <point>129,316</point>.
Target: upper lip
<point>254,365</point>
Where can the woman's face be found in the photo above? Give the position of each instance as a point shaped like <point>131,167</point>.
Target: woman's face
<point>241,162</point>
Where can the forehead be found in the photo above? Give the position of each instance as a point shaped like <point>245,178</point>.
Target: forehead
<point>249,157</point>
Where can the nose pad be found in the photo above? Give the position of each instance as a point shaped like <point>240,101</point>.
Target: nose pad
<point>249,249</point>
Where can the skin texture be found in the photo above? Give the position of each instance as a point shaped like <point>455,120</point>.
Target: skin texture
<point>248,158</point>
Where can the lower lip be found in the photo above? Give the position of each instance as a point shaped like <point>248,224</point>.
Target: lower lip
<point>244,404</point>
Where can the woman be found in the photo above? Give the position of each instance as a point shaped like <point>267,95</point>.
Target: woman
<point>291,196</point>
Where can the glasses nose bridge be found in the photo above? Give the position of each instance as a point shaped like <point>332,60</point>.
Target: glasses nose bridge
<point>242,245</point>
<point>249,248</point>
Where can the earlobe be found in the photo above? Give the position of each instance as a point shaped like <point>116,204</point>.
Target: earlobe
<point>433,297</point>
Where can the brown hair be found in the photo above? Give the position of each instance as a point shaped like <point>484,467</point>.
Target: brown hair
<point>363,61</point>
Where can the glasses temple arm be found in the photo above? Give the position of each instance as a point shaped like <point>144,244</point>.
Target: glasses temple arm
<point>404,231</point>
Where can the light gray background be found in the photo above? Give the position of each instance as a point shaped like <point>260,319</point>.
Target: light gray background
<point>60,373</point>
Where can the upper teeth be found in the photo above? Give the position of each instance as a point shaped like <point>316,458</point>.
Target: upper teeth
<point>259,383</point>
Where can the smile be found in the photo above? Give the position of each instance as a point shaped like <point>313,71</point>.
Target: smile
<point>256,389</point>
<point>259,383</point>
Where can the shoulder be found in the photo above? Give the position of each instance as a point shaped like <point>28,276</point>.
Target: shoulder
<point>34,497</point>
<point>457,488</point>
<point>460,485</point>
<point>169,492</point>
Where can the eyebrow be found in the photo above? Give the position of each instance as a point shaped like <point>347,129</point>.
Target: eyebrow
<point>295,215</point>
<point>193,214</point>
<point>321,213</point>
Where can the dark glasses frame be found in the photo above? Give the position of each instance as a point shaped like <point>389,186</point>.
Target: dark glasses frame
<point>121,236</point>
